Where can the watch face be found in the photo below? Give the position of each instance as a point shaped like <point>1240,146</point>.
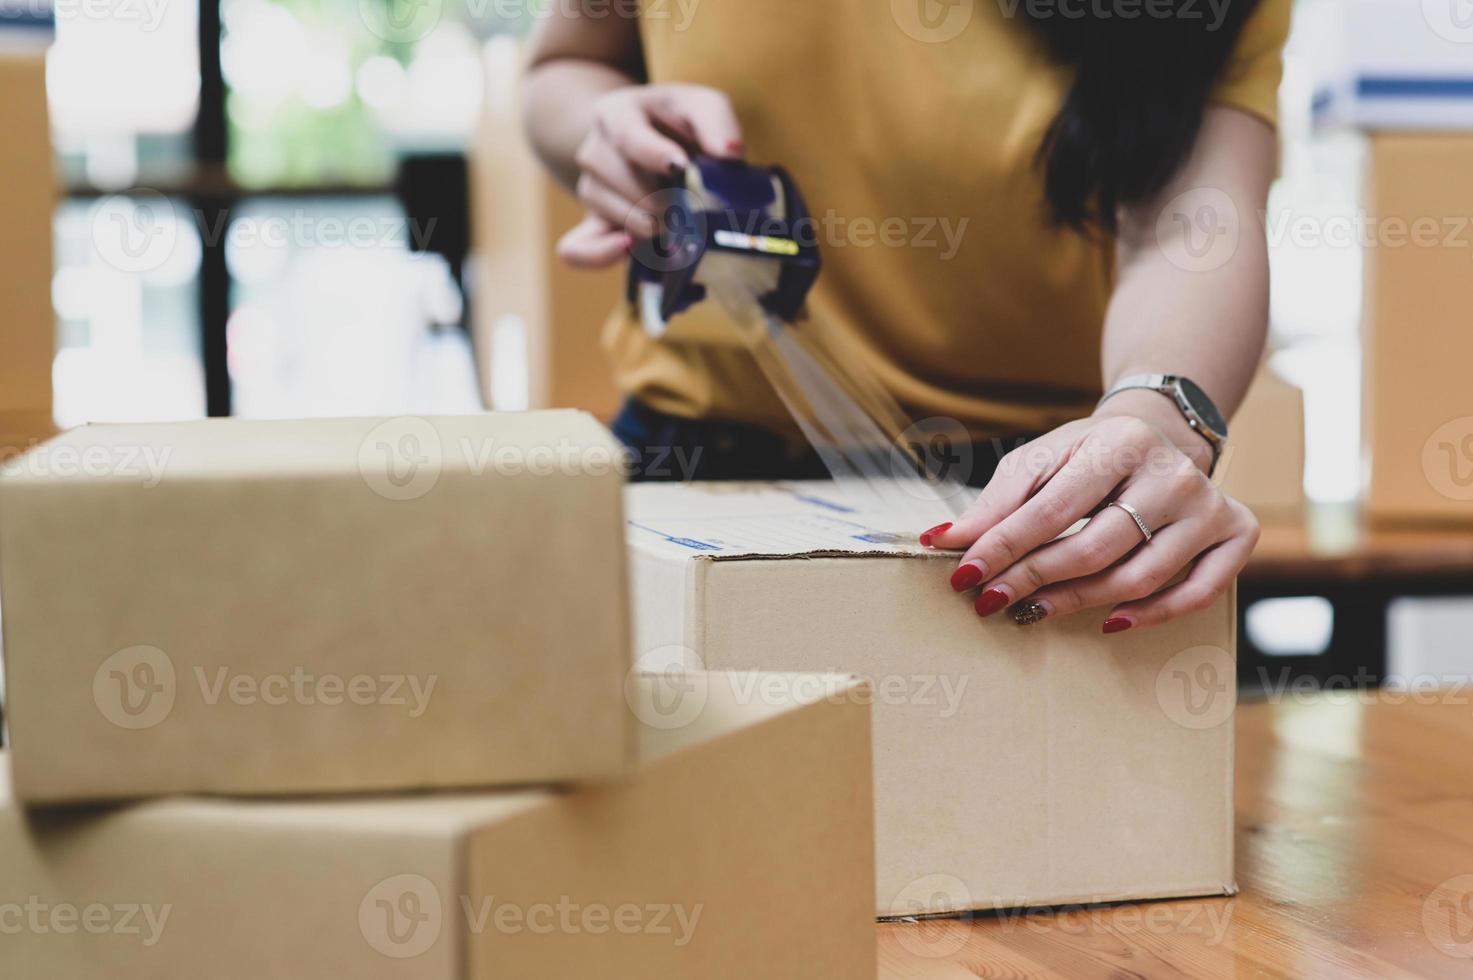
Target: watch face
<point>1202,405</point>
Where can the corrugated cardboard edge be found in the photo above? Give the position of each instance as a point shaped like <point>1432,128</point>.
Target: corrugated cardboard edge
<point>696,573</point>
<point>625,587</point>
<point>1230,886</point>
<point>823,553</point>
<point>460,873</point>
<point>1065,902</point>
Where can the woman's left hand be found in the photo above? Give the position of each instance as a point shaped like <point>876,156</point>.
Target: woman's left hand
<point>1043,488</point>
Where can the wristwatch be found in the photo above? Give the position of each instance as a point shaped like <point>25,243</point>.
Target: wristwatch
<point>1195,406</point>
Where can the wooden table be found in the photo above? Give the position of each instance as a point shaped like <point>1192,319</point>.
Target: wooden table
<point>1360,571</point>
<point>1332,543</point>
<point>1354,855</point>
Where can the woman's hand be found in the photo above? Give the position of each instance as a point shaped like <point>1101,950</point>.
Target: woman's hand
<point>1044,487</point>
<point>641,137</point>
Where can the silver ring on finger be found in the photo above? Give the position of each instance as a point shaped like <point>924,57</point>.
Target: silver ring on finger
<point>1135,515</point>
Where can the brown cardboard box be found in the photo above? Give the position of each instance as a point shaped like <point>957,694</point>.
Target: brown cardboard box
<point>1263,463</point>
<point>27,200</point>
<point>335,605</point>
<point>1013,767</point>
<point>1418,422</point>
<point>19,433</point>
<point>520,286</point>
<point>741,848</point>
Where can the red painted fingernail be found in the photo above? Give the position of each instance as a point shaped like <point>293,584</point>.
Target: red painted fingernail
<point>991,601</point>
<point>628,244</point>
<point>966,576</point>
<point>1117,624</point>
<point>931,532</point>
<point>736,148</point>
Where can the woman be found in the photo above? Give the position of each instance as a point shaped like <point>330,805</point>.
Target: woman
<point>1074,191</point>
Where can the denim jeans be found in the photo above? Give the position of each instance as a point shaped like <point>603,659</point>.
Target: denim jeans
<point>667,448</point>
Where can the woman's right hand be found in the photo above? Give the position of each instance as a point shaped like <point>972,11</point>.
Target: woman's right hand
<point>642,135</point>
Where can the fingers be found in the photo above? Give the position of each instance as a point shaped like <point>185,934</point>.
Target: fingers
<point>1072,493</point>
<point>651,151</point>
<point>625,126</point>
<point>1109,536</point>
<point>600,160</point>
<point>626,156</point>
<point>1209,578</point>
<point>593,243</point>
<point>1018,558</point>
<point>608,204</point>
<point>1018,475</point>
<point>702,115</point>
<point>1148,568</point>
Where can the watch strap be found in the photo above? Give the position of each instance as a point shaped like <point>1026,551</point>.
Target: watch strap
<point>1155,382</point>
<point>1167,384</point>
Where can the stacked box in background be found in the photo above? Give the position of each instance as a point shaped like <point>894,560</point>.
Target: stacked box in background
<point>1263,463</point>
<point>1406,82</point>
<point>537,320</point>
<point>1418,401</point>
<point>27,202</point>
<point>1014,766</point>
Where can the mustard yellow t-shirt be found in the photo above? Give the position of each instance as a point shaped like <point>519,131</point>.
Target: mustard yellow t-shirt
<point>911,128</point>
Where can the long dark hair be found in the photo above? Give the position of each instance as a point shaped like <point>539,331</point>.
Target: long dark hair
<point>1135,105</point>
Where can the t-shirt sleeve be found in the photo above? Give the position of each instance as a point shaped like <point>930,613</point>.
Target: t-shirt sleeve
<point>1251,79</point>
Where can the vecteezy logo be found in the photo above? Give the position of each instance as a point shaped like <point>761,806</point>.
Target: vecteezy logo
<point>1195,687</point>
<point>401,21</point>
<point>1447,459</point>
<point>134,688</point>
<point>667,687</point>
<point>135,232</point>
<point>944,450</point>
<point>932,21</point>
<point>938,895</point>
<point>1451,20</point>
<point>401,916</point>
<point>1447,916</point>
<point>401,458</point>
<point>680,232</point>
<point>1198,230</point>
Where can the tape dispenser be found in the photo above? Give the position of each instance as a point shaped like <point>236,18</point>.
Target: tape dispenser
<point>729,231</point>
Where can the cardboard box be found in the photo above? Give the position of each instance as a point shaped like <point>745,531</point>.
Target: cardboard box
<point>1013,766</point>
<point>536,320</point>
<point>1263,464</point>
<point>27,202</point>
<point>1372,66</point>
<point>20,433</point>
<point>336,605</point>
<point>741,848</point>
<point>1418,422</point>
